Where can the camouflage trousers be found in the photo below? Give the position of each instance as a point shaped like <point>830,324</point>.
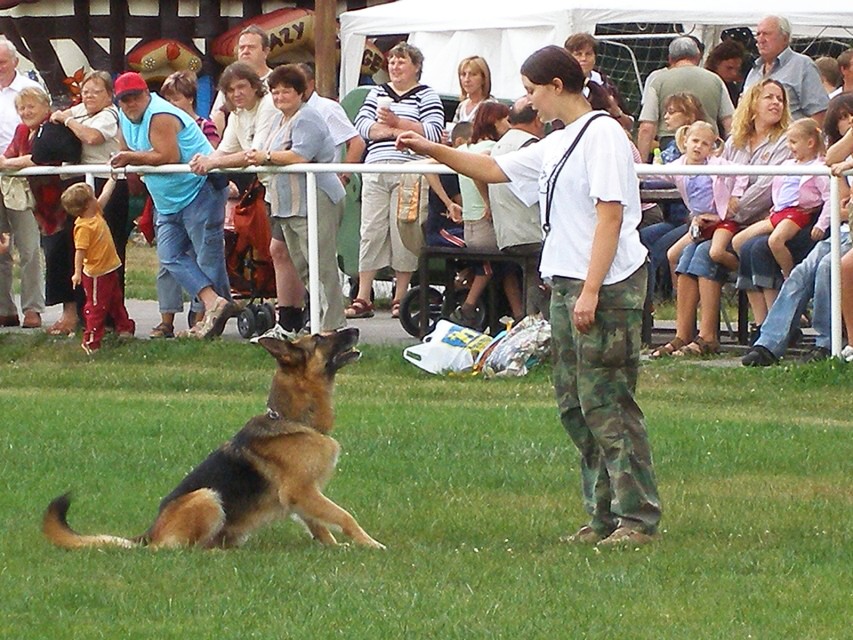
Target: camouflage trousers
<point>595,377</point>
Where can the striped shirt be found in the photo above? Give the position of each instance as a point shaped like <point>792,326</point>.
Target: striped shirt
<point>420,104</point>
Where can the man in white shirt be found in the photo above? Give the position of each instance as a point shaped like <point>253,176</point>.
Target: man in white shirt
<point>349,143</point>
<point>20,224</point>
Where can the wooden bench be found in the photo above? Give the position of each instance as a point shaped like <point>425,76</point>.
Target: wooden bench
<point>448,254</point>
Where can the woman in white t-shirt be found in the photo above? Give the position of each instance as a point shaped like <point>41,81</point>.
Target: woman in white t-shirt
<point>592,256</point>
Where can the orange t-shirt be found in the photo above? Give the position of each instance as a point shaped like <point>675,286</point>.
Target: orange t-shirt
<point>92,235</point>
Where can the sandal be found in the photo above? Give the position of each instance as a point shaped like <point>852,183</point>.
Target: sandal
<point>697,349</point>
<point>162,330</point>
<point>359,308</point>
<point>395,308</point>
<point>60,328</point>
<point>668,349</point>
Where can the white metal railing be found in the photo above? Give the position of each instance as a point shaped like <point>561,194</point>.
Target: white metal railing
<point>425,166</point>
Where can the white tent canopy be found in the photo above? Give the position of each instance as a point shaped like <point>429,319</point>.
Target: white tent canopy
<point>505,34</point>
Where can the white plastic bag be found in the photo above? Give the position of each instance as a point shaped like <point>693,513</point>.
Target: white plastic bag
<point>449,348</point>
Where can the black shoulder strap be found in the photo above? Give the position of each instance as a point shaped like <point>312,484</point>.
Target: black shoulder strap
<point>552,179</point>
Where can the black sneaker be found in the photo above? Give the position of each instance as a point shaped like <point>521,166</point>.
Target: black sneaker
<point>817,355</point>
<point>759,356</point>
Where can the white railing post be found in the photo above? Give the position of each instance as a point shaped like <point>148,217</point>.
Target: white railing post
<point>313,253</point>
<point>835,271</point>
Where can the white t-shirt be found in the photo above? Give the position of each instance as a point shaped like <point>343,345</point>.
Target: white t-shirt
<point>106,122</point>
<point>601,168</point>
<point>248,128</point>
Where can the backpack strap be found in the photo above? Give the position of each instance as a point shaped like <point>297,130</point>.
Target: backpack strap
<point>552,179</point>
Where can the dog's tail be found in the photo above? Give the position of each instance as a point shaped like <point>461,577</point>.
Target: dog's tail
<point>56,529</point>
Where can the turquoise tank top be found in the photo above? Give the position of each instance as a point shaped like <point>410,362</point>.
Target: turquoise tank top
<point>170,192</point>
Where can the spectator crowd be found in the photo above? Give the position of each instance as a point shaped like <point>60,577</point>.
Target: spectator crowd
<point>769,236</point>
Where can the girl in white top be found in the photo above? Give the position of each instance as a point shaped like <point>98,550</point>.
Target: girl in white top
<point>590,206</point>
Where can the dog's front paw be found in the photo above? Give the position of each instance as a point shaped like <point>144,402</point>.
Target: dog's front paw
<point>374,544</point>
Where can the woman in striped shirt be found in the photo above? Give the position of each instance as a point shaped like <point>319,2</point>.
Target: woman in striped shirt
<point>403,104</point>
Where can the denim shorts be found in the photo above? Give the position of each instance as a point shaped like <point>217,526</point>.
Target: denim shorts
<point>696,261</point>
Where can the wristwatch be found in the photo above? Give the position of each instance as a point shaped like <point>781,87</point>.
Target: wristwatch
<point>268,157</point>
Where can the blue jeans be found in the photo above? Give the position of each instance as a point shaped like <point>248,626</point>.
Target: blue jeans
<point>757,268</point>
<point>170,296</point>
<point>809,278</point>
<point>658,238</point>
<point>191,243</point>
<point>696,261</point>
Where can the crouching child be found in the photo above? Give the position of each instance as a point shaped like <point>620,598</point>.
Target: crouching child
<point>96,264</point>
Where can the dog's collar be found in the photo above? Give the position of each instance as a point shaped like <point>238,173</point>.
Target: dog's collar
<point>272,414</point>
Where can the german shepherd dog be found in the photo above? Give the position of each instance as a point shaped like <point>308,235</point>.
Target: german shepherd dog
<point>276,465</point>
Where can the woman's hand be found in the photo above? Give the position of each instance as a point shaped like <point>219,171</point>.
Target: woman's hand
<point>817,234</point>
<point>705,219</point>
<point>454,212</point>
<point>413,141</point>
<point>59,117</point>
<point>584,312</point>
<point>734,205</point>
<point>385,116</point>
<point>255,157</point>
<point>839,168</point>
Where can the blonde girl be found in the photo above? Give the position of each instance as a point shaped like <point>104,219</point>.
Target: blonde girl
<point>795,198</point>
<point>707,197</point>
<point>475,84</point>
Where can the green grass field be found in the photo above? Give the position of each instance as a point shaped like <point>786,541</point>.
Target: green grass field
<point>468,483</point>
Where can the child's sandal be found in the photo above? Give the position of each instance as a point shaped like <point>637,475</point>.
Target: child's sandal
<point>668,349</point>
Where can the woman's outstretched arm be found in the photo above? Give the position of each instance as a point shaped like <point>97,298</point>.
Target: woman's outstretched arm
<point>474,165</point>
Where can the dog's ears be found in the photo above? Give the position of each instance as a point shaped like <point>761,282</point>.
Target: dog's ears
<point>283,350</point>
<point>275,346</point>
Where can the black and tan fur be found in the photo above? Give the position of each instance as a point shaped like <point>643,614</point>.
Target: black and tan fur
<point>276,465</point>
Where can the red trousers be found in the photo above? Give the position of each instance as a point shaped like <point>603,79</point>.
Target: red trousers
<point>104,298</point>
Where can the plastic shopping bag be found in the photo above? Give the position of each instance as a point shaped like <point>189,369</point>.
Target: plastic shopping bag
<point>449,348</point>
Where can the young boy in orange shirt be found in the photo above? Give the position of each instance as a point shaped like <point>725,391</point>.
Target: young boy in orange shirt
<point>96,264</point>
